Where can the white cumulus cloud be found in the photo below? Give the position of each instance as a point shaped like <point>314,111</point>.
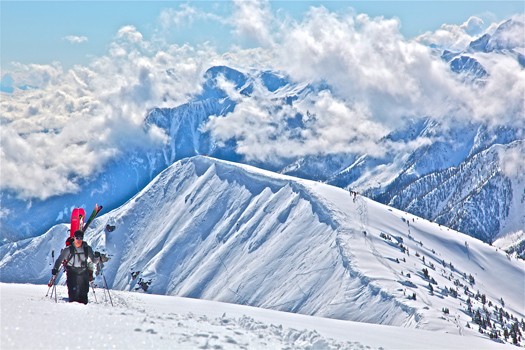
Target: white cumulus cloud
<point>454,37</point>
<point>76,39</point>
<point>72,122</point>
<point>512,162</point>
<point>252,20</point>
<point>267,128</point>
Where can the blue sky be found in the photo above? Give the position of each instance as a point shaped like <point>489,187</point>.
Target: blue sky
<point>36,31</point>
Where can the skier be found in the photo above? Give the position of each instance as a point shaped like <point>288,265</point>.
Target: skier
<point>75,259</point>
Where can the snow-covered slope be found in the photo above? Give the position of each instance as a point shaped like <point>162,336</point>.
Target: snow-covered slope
<point>139,321</point>
<point>221,231</point>
<point>475,196</point>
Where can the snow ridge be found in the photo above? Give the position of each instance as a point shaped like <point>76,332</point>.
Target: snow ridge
<point>216,230</point>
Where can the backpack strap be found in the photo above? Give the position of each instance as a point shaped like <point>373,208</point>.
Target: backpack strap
<point>85,245</point>
<point>72,252</point>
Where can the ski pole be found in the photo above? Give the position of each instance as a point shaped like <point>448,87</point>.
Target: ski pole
<point>48,291</point>
<point>105,284</point>
<point>49,284</point>
<point>52,287</point>
<point>94,294</point>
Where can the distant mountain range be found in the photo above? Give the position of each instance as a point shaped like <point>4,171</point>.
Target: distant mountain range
<point>457,181</point>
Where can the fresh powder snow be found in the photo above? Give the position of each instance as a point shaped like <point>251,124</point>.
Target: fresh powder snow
<point>139,321</point>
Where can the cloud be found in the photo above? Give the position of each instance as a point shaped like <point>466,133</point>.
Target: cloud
<point>72,122</point>
<point>367,60</point>
<point>376,79</point>
<point>501,100</point>
<point>252,20</point>
<point>183,18</point>
<point>458,37</point>
<point>473,26</point>
<point>511,161</point>
<point>268,129</point>
<point>510,34</point>
<point>454,37</point>
<point>75,39</point>
<point>185,15</point>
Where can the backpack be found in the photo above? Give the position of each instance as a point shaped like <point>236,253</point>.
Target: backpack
<point>72,252</point>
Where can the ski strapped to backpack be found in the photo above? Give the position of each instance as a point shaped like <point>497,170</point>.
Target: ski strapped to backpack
<point>94,213</point>
<point>77,221</point>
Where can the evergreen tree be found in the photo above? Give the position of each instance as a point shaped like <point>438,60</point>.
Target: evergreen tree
<point>471,280</point>
<point>477,317</point>
<point>483,299</point>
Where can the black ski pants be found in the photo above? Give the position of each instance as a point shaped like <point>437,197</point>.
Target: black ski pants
<point>78,284</point>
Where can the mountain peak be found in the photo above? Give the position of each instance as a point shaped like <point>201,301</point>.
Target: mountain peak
<point>507,36</point>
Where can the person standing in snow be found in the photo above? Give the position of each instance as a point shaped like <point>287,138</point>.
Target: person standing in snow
<point>75,259</point>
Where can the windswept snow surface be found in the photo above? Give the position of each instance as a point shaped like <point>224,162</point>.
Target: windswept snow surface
<point>221,231</point>
<point>29,320</point>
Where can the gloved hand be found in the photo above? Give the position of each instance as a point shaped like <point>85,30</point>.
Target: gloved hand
<point>97,254</point>
<point>54,271</point>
